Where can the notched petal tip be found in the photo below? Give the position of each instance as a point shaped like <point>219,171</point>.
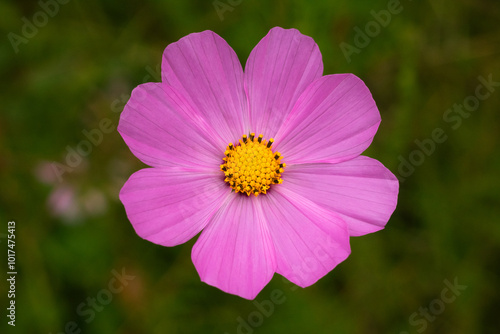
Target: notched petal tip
<point>207,72</point>
<point>362,191</point>
<point>309,240</point>
<point>235,252</point>
<point>334,120</point>
<point>278,70</point>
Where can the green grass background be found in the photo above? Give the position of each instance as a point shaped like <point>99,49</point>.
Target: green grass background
<point>91,54</point>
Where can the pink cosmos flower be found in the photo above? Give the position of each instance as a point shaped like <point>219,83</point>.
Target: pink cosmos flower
<point>287,205</point>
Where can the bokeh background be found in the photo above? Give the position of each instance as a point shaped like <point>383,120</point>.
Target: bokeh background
<point>77,70</point>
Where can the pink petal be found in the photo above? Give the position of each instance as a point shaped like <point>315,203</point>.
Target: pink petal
<point>277,71</point>
<point>235,252</point>
<point>170,206</point>
<point>309,240</point>
<point>334,120</point>
<point>161,129</point>
<point>205,69</point>
<point>361,191</point>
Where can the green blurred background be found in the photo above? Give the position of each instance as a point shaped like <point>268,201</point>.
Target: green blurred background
<point>72,233</point>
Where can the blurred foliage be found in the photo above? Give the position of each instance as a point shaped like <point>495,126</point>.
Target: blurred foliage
<point>73,233</point>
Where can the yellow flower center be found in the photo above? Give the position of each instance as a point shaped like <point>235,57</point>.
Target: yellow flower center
<point>251,167</point>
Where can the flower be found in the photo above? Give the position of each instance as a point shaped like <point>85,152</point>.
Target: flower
<point>287,205</point>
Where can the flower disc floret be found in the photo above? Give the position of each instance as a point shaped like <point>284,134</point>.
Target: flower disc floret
<point>251,167</point>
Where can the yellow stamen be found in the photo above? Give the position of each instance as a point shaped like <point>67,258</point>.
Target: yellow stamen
<point>251,167</point>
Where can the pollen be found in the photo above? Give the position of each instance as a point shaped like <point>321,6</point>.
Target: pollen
<point>250,166</point>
